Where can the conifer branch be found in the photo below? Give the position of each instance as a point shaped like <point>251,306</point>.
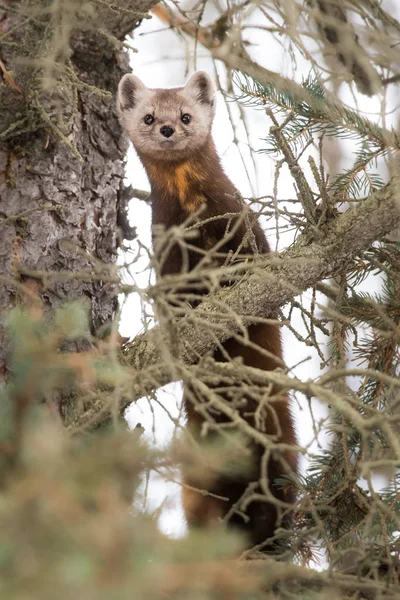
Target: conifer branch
<point>305,192</point>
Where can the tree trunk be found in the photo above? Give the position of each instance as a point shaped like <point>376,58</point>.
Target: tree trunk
<point>61,152</point>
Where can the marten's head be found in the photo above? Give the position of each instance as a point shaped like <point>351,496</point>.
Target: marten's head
<point>167,124</point>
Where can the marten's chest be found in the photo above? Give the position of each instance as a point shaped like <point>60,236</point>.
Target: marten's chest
<point>191,230</point>
<point>182,240</point>
<point>181,185</point>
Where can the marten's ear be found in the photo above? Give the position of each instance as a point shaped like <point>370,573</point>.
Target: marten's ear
<point>130,89</point>
<point>200,87</point>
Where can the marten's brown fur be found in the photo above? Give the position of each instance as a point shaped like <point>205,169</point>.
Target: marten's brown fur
<point>185,174</point>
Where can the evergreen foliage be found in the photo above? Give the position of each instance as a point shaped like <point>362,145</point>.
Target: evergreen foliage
<point>345,520</point>
<point>319,114</point>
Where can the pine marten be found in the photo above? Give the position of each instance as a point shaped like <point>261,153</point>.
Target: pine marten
<point>171,132</point>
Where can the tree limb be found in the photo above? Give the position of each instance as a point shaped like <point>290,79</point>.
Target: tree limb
<point>311,259</point>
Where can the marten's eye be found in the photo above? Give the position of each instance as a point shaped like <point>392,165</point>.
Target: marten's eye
<point>186,119</point>
<point>149,119</point>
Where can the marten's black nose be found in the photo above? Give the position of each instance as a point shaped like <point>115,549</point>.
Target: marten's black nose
<point>167,130</point>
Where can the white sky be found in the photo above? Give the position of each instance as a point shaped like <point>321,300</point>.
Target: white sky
<point>162,62</point>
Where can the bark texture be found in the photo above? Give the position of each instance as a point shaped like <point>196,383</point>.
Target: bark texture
<point>61,149</point>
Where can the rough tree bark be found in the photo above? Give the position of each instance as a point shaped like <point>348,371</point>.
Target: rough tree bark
<point>61,148</point>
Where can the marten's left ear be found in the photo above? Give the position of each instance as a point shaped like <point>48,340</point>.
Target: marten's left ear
<point>200,87</point>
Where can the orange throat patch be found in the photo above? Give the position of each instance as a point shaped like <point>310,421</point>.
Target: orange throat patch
<point>183,181</point>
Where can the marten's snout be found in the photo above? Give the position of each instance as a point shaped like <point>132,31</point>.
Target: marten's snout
<point>167,131</point>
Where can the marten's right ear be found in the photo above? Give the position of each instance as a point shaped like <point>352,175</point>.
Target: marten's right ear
<point>130,89</point>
